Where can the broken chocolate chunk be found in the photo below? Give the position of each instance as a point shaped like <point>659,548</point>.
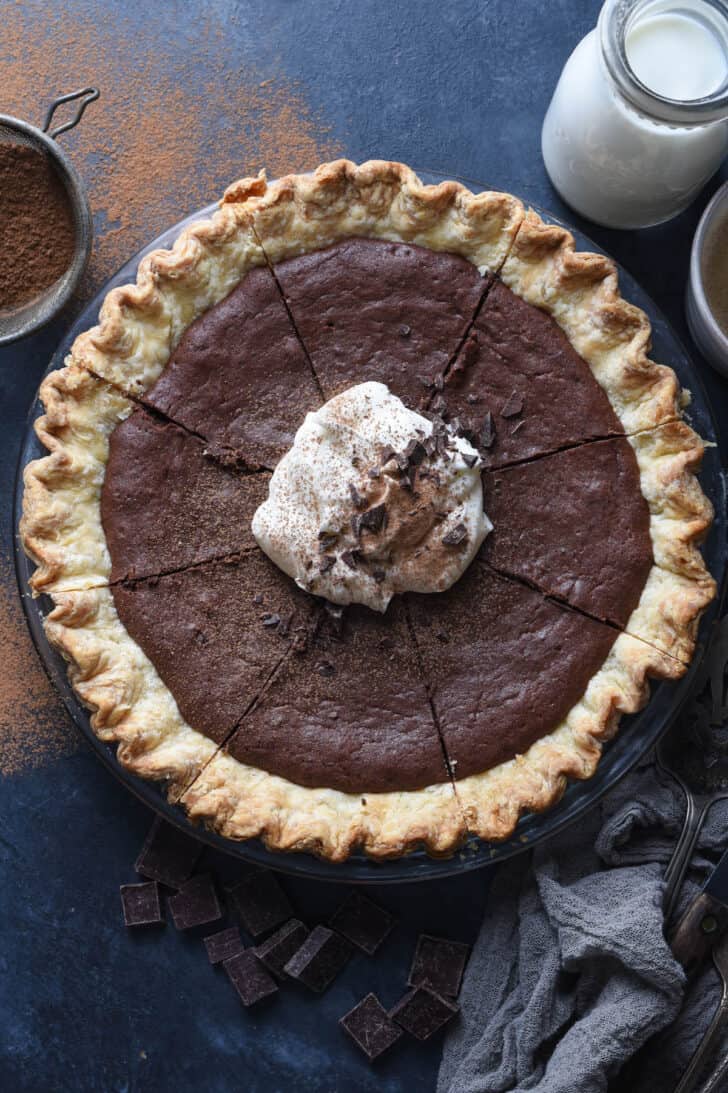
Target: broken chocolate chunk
<point>250,979</point>
<point>422,1012</point>
<point>326,669</point>
<point>438,964</point>
<point>374,518</point>
<point>270,618</point>
<point>261,902</point>
<point>362,922</point>
<point>470,460</point>
<point>487,432</point>
<point>513,405</point>
<point>356,498</point>
<point>378,575</point>
<point>196,903</point>
<point>326,540</point>
<point>278,949</point>
<point>320,959</point>
<point>224,944</point>
<point>370,1027</point>
<point>168,855</point>
<point>405,330</point>
<point>455,536</point>
<point>141,905</point>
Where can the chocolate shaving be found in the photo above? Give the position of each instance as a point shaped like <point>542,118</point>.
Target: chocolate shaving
<point>469,460</point>
<point>258,598</point>
<point>270,618</point>
<point>327,562</point>
<point>487,432</point>
<point>513,405</point>
<point>350,558</point>
<point>326,540</point>
<point>516,427</point>
<point>405,330</point>
<point>456,535</point>
<point>374,519</point>
<point>378,575</point>
<point>356,498</point>
<point>326,669</point>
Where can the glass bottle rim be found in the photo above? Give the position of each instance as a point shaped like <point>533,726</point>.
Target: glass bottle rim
<point>615,20</point>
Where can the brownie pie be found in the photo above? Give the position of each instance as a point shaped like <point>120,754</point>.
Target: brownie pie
<point>269,711</point>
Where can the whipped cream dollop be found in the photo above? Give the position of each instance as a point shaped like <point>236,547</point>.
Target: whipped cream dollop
<point>371,500</point>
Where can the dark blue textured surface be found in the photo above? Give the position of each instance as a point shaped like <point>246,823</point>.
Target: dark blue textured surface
<point>458,87</point>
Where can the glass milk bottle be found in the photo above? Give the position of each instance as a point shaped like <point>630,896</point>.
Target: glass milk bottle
<point>637,123</point>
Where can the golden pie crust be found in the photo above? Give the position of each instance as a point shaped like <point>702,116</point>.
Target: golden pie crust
<point>139,327</point>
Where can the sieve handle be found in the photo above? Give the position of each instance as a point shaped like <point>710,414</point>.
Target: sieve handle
<point>85,96</point>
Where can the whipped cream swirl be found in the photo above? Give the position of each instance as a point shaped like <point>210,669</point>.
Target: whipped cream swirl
<point>371,500</point>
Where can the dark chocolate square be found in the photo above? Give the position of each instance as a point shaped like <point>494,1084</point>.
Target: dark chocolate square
<point>278,949</point>
<point>261,902</point>
<point>362,922</point>
<point>438,964</point>
<point>249,977</point>
<point>370,1027</point>
<point>141,905</point>
<point>224,944</point>
<point>168,855</point>
<point>422,1012</point>
<point>196,903</point>
<point>320,959</point>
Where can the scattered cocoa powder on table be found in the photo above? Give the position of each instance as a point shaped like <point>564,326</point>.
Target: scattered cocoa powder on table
<point>179,118</point>
<point>34,728</point>
<point>36,225</point>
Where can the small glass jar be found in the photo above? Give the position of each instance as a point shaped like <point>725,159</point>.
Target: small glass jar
<point>625,154</point>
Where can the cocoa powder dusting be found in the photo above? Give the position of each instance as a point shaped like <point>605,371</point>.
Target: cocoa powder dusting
<point>174,126</point>
<point>171,129</point>
<point>36,225</point>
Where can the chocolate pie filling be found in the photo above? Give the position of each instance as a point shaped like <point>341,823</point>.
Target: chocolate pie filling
<point>216,632</point>
<point>371,310</point>
<point>518,366</point>
<point>252,660</point>
<point>352,714</point>
<point>575,525</point>
<point>504,665</point>
<point>165,504</point>
<point>239,377</point>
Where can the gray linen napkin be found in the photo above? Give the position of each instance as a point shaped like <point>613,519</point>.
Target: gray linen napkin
<point>571,974</point>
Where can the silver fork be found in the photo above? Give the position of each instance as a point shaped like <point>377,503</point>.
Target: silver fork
<point>716,1033</point>
<point>697,807</point>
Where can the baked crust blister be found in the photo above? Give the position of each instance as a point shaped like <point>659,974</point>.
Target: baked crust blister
<point>139,328</point>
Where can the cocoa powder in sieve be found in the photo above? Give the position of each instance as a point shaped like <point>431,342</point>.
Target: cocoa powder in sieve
<point>36,225</point>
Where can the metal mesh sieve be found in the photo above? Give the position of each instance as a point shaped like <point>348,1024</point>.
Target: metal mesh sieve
<point>21,321</point>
